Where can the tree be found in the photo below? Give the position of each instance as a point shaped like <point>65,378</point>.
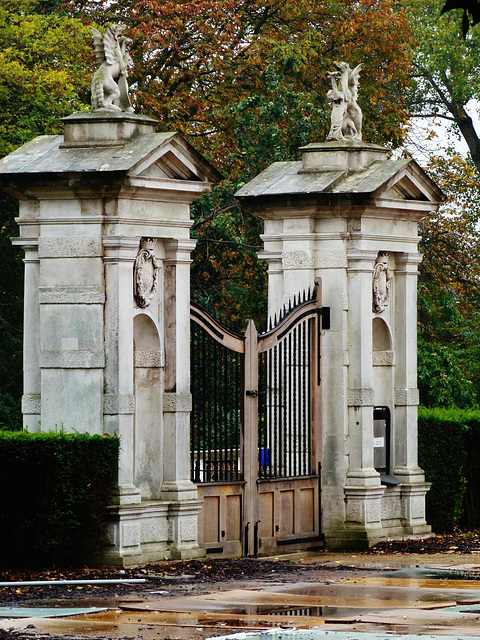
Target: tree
<point>246,82</point>
<point>43,77</point>
<point>471,12</point>
<point>204,65</point>
<point>446,70</point>
<point>449,290</point>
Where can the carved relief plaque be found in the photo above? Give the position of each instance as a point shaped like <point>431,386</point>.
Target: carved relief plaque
<point>381,283</point>
<point>145,274</point>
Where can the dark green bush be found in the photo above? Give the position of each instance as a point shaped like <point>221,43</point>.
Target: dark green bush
<point>54,493</point>
<point>448,441</point>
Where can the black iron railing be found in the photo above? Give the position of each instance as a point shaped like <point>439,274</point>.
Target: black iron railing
<point>284,432</point>
<point>216,383</point>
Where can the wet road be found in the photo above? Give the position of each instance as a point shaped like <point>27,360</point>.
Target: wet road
<point>404,595</point>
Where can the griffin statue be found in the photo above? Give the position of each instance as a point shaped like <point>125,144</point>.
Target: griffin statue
<point>109,83</point>
<point>346,117</point>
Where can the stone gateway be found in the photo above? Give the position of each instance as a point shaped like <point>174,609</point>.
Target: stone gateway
<point>105,226</point>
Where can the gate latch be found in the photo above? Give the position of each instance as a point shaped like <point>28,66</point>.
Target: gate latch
<point>251,392</point>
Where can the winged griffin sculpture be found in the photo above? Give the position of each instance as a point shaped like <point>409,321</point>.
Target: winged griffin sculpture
<point>109,83</point>
<point>346,118</point>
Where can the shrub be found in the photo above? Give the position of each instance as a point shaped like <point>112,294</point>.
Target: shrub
<point>448,441</point>
<point>55,489</point>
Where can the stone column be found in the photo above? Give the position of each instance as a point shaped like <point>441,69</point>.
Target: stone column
<point>31,399</point>
<point>413,485</point>
<point>177,487</point>
<point>118,399</point>
<point>275,282</point>
<point>177,400</point>
<point>363,490</point>
<point>330,267</point>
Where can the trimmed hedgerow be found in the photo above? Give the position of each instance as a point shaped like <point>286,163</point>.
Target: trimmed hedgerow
<point>448,447</point>
<point>54,492</point>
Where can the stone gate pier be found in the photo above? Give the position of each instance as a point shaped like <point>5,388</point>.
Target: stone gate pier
<point>105,225</point>
<point>348,214</point>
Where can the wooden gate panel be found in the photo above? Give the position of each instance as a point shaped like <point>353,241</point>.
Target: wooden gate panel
<point>220,518</point>
<point>210,533</point>
<point>306,511</point>
<point>289,513</point>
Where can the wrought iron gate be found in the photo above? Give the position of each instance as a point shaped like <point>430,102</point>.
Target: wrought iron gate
<point>255,435</point>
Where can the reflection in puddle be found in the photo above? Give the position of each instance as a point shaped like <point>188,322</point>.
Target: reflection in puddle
<point>318,612</point>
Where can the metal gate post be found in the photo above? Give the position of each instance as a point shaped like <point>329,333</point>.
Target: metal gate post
<point>316,389</point>
<point>250,434</point>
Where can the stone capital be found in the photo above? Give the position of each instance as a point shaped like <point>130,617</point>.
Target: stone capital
<point>120,249</point>
<point>173,402</point>
<point>360,397</point>
<point>147,359</point>
<point>361,261</point>
<point>31,404</point>
<point>179,251</point>
<point>118,404</point>
<point>407,397</point>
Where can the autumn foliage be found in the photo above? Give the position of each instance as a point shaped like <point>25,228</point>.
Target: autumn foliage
<point>449,292</point>
<point>246,80</point>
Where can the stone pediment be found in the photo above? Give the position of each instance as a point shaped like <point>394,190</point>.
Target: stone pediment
<point>102,148</point>
<point>359,174</point>
<point>174,159</point>
<point>411,183</point>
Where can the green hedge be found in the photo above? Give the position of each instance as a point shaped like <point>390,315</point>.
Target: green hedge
<point>54,493</point>
<point>448,451</point>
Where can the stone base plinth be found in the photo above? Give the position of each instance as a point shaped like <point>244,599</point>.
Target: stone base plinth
<point>381,513</point>
<point>360,540</point>
<point>151,532</point>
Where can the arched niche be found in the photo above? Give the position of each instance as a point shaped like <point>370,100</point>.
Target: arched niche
<point>148,440</point>
<point>381,336</point>
<point>382,361</point>
<point>145,333</point>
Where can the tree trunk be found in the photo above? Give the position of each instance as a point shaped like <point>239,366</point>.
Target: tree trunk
<point>465,124</point>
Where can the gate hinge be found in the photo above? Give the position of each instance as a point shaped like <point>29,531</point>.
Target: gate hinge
<point>251,392</point>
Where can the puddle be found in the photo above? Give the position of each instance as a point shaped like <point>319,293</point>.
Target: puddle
<point>102,603</point>
<point>363,593</point>
<point>313,634</point>
<point>45,612</point>
<point>435,574</point>
<point>419,583</point>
